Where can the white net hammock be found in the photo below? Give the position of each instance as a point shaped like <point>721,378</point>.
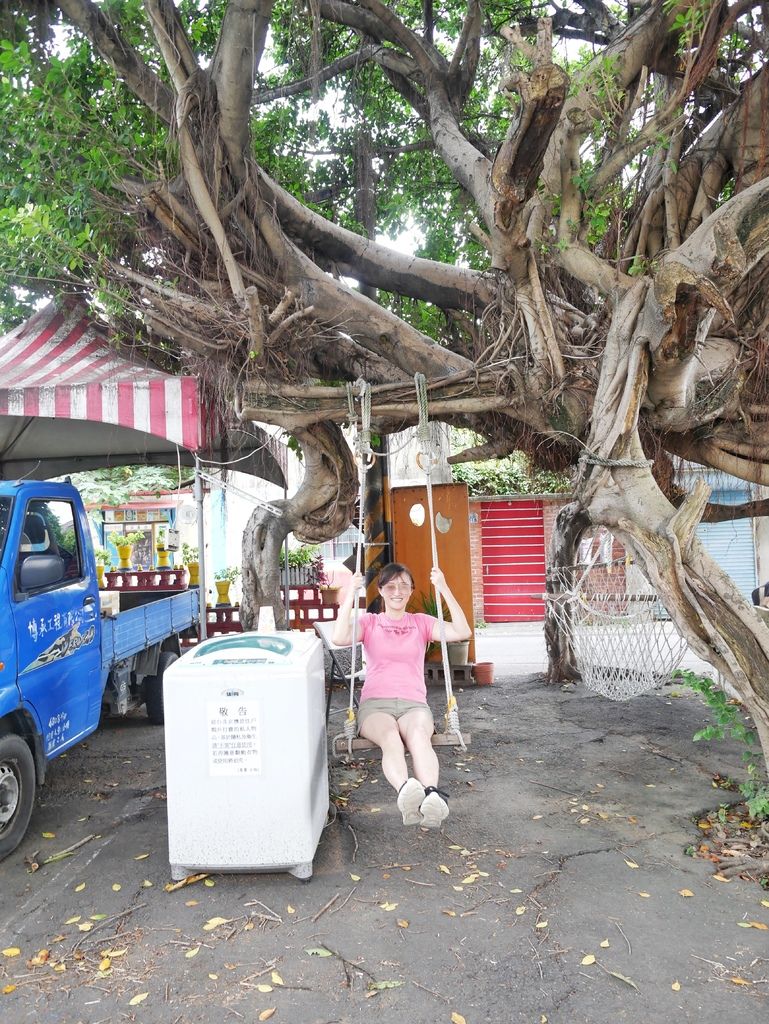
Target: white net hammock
<point>623,641</point>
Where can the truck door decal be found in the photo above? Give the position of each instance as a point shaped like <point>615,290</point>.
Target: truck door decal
<point>63,646</point>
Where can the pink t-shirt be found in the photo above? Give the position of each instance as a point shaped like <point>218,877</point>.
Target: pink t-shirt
<point>395,655</point>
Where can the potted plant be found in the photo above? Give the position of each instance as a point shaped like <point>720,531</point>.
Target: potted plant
<point>162,550</point>
<point>103,564</point>
<point>124,542</point>
<point>190,559</point>
<point>223,578</point>
<point>329,592</point>
<point>458,650</point>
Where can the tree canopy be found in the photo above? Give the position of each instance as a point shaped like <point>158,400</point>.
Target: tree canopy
<point>590,196</point>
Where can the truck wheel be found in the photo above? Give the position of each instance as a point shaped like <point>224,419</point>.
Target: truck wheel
<point>153,689</point>
<point>17,791</point>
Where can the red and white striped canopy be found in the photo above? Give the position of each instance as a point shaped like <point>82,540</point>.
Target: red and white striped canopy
<point>61,364</point>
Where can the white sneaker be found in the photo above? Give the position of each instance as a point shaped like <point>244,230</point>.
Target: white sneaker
<point>410,796</point>
<point>434,809</point>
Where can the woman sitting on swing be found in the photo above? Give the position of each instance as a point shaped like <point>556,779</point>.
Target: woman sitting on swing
<point>393,710</point>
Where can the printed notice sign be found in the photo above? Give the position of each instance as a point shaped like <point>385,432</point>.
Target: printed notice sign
<point>234,746</point>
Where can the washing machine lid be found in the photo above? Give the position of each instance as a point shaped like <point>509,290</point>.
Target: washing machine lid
<point>253,649</point>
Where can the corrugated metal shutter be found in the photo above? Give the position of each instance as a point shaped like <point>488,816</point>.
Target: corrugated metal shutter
<point>513,552</point>
<point>731,544</point>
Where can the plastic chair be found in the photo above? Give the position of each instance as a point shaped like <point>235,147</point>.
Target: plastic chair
<point>338,663</point>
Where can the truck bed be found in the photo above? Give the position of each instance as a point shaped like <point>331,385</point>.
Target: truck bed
<point>136,629</point>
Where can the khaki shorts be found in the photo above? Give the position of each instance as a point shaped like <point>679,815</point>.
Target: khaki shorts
<point>394,706</point>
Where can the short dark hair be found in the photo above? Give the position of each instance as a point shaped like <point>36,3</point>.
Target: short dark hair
<point>390,571</point>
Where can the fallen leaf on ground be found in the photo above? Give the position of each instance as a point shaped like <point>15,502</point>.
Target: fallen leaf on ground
<point>266,1014</point>
<point>80,887</point>
<point>645,895</point>
<point>290,909</point>
<point>445,870</point>
<point>586,961</point>
<point>676,986</point>
<point>740,981</point>
<point>318,951</point>
<point>214,922</point>
<point>189,880</point>
<point>209,883</point>
<point>379,986</point>
<point>11,951</point>
<point>388,906</point>
<point>631,863</point>
<point>604,944</point>
<point>402,922</point>
<point>685,892</point>
<point>141,856</point>
<point>117,887</point>
<point>138,999</point>
<point>48,835</point>
<point>541,924</point>
<point>264,988</point>
<point>355,878</point>
<point>624,977</point>
<point>105,964</point>
<point>457,1018</point>
<point>449,913</point>
<point>276,979</point>
<point>40,958</point>
<point>192,952</point>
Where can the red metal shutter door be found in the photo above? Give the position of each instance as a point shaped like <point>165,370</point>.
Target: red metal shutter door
<point>513,549</point>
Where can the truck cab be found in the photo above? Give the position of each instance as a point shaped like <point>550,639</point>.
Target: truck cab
<point>61,663</point>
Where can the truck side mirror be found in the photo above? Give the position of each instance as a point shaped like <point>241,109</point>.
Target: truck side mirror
<point>40,571</point>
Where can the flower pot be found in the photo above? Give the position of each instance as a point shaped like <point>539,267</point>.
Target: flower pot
<point>124,554</point>
<point>329,596</point>
<point>100,581</point>
<point>483,673</point>
<point>222,591</point>
<point>194,570</point>
<point>458,651</point>
<point>162,562</point>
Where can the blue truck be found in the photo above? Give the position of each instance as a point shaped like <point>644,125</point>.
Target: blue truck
<point>62,663</point>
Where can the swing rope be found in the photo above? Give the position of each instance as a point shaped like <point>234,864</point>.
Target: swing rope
<point>427,459</point>
<point>364,456</point>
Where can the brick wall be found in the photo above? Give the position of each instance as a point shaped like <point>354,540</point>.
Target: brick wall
<point>476,559</point>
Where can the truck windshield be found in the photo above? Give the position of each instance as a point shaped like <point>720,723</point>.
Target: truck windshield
<point>5,516</point>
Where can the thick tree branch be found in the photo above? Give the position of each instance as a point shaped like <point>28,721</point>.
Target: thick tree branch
<point>127,63</point>
<point>236,58</point>
<point>446,286</point>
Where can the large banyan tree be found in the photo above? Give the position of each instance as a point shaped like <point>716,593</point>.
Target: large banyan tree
<point>590,199</point>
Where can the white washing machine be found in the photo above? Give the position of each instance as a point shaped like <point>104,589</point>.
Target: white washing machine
<point>246,764</point>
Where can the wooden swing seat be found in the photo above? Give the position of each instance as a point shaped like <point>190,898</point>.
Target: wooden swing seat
<point>360,744</point>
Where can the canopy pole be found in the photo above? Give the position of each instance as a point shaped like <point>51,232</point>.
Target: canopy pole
<point>197,492</point>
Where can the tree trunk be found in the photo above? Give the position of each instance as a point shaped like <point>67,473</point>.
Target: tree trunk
<point>321,509</point>
<point>711,613</point>
<point>570,524</point>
